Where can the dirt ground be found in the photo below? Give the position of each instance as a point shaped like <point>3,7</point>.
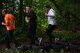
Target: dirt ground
<point>3,46</point>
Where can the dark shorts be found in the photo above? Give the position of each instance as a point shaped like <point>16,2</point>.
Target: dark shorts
<point>32,30</point>
<point>9,36</point>
<point>50,29</point>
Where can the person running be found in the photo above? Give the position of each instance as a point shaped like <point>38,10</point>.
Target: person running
<point>9,22</point>
<point>50,13</point>
<point>31,33</point>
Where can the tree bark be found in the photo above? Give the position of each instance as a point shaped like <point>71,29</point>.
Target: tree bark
<point>21,13</point>
<point>1,17</point>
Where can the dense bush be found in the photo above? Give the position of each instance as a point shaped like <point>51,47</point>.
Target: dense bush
<point>68,19</point>
<point>70,14</point>
<point>67,36</point>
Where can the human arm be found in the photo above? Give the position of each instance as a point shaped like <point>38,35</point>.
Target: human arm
<point>51,13</point>
<point>6,19</point>
<point>7,24</point>
<point>33,16</point>
<point>3,23</point>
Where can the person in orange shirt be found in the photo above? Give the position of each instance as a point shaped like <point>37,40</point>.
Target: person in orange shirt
<point>9,22</point>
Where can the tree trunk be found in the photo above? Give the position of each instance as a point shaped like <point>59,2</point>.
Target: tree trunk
<point>1,17</point>
<point>1,10</point>
<point>21,13</point>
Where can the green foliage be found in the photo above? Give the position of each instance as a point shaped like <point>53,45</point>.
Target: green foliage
<point>68,20</point>
<point>39,8</point>
<point>28,51</point>
<point>67,36</point>
<point>70,14</point>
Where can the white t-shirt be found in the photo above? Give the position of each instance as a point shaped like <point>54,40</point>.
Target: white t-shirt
<point>51,17</point>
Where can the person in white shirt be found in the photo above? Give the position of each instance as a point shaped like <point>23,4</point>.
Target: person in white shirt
<point>51,22</point>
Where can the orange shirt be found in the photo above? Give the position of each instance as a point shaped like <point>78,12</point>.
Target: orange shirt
<point>10,21</point>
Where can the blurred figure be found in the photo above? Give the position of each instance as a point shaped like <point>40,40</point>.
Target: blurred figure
<point>31,33</point>
<point>50,13</point>
<point>9,22</point>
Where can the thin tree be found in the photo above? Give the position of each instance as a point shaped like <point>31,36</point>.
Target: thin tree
<point>57,5</point>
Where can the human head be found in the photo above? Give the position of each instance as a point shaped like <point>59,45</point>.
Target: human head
<point>29,9</point>
<point>4,11</point>
<point>30,6</point>
<point>47,6</point>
